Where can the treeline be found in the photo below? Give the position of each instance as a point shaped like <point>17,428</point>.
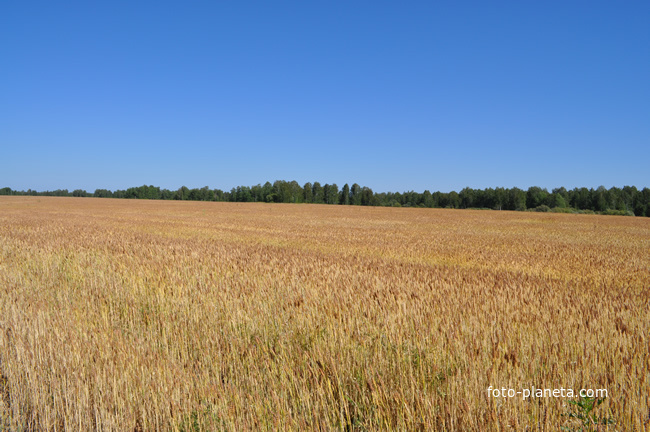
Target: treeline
<point>621,201</point>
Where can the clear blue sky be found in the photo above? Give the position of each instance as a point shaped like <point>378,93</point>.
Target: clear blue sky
<point>393,95</point>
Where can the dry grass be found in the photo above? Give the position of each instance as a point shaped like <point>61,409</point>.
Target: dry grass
<point>143,315</point>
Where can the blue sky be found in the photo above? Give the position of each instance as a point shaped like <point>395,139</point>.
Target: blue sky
<point>393,95</point>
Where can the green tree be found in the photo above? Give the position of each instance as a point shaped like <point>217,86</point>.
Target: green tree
<point>244,194</point>
<point>557,200</point>
<point>516,199</point>
<point>318,195</point>
<point>295,191</point>
<point>599,199</point>
<point>267,190</point>
<point>307,193</point>
<point>536,197</point>
<point>256,192</point>
<point>355,194</point>
<point>103,193</point>
<point>427,199</point>
<point>467,198</point>
<point>166,194</point>
<point>367,197</point>
<point>218,195</point>
<point>645,198</point>
<point>183,193</point>
<point>332,195</point>
<point>280,191</point>
<point>581,199</point>
<point>500,198</point>
<point>344,196</point>
<point>454,200</point>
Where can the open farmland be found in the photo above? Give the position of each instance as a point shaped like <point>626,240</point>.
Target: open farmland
<point>147,315</point>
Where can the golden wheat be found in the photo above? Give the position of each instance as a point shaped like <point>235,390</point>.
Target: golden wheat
<point>144,315</point>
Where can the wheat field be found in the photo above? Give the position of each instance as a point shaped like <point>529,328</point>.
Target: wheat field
<point>123,315</point>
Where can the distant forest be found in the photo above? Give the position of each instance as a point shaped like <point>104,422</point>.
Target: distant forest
<point>628,200</point>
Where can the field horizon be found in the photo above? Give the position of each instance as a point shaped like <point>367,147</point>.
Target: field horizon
<point>186,315</point>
